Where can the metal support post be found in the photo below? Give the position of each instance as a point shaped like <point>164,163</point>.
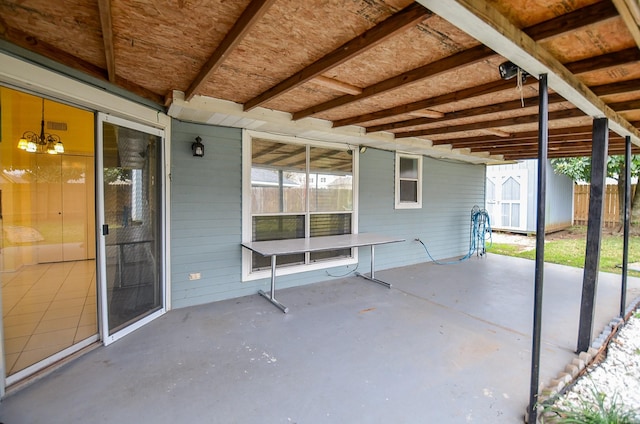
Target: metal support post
<point>594,231</point>
<point>627,219</point>
<point>543,147</point>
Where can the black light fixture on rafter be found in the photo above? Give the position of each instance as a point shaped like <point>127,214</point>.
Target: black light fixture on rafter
<point>509,70</point>
<point>198,147</point>
<point>41,143</point>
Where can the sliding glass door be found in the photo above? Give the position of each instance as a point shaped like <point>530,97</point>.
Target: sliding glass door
<point>131,218</point>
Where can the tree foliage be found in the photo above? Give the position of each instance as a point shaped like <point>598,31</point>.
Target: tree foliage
<point>579,169</point>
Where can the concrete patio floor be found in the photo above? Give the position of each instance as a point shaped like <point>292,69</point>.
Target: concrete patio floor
<point>446,344</point>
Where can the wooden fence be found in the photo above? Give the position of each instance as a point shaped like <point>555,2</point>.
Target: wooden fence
<point>581,205</point>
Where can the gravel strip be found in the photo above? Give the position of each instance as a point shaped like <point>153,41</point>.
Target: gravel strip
<point>617,376</point>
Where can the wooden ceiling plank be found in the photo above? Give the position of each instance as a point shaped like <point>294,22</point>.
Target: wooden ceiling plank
<point>334,84</point>
<point>581,66</point>
<point>466,113</point>
<point>617,88</point>
<point>633,24</point>
<point>562,114</point>
<point>251,15</point>
<point>604,61</point>
<point>104,7</point>
<point>553,27</point>
<point>602,90</point>
<point>582,131</point>
<point>505,122</point>
<point>571,21</point>
<point>427,113</point>
<point>464,94</point>
<point>482,21</point>
<point>448,64</point>
<point>401,21</point>
<point>24,40</point>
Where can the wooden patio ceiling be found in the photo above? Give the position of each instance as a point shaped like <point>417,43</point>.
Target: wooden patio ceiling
<point>380,72</point>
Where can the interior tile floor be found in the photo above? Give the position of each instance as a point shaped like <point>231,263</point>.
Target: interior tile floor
<point>47,308</point>
<point>446,344</point>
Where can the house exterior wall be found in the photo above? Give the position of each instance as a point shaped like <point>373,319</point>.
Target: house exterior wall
<point>206,210</point>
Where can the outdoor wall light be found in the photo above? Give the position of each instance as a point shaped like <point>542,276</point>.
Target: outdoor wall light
<point>198,147</point>
<point>361,149</point>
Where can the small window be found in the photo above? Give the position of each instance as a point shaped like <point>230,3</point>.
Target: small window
<point>408,181</point>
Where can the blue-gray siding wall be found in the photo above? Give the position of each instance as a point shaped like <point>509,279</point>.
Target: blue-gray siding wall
<point>206,210</point>
<point>449,192</point>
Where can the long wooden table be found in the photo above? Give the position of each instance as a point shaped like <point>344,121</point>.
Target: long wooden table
<point>275,248</point>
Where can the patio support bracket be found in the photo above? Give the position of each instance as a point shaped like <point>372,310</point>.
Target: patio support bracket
<point>594,231</point>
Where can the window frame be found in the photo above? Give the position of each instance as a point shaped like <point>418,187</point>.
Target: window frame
<point>404,204</point>
<point>247,161</point>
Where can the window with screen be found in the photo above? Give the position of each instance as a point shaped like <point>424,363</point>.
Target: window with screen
<point>298,191</point>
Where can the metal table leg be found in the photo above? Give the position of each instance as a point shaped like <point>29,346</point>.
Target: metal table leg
<point>271,296</point>
<point>373,270</point>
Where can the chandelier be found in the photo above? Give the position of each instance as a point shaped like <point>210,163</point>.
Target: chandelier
<point>41,143</point>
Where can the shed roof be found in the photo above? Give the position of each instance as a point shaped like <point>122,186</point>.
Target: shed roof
<point>418,76</point>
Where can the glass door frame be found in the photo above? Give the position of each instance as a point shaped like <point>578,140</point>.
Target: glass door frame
<point>103,311</point>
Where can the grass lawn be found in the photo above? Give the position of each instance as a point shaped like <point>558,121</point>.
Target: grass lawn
<point>568,248</point>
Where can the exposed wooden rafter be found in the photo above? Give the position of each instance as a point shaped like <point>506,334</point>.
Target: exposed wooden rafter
<point>486,24</point>
<point>406,18</point>
<point>448,64</point>
<point>250,16</point>
<point>104,7</point>
<point>24,40</point>
<point>603,90</point>
<point>551,28</point>
<point>500,123</point>
<point>630,12</point>
<point>519,120</point>
<point>337,85</point>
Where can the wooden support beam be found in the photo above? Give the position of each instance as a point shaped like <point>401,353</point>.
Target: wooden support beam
<point>465,113</point>
<point>594,232</point>
<point>498,107</point>
<point>482,21</point>
<point>571,21</point>
<point>500,123</point>
<point>553,27</point>
<point>448,64</point>
<point>581,66</point>
<point>337,85</point>
<point>627,9</point>
<point>555,134</point>
<point>251,15</point>
<point>464,94</point>
<point>401,21</point>
<point>24,40</point>
<point>104,7</point>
